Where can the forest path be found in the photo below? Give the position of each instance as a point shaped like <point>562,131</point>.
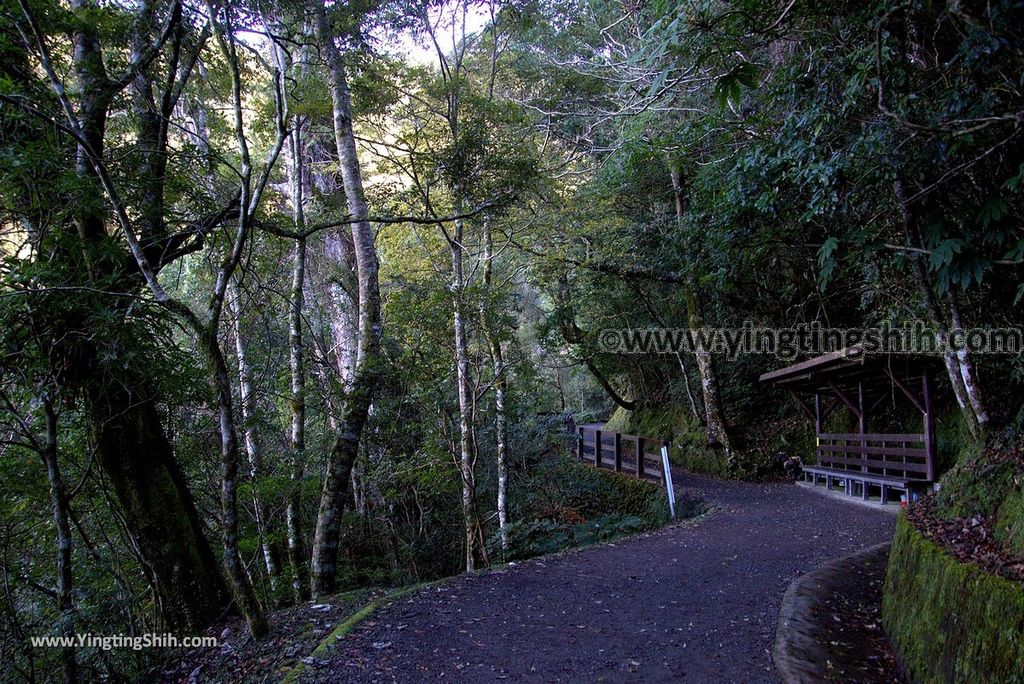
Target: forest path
<point>696,602</point>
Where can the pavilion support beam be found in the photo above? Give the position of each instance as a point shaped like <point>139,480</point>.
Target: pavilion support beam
<point>846,400</point>
<point>862,424</point>
<point>817,430</point>
<point>906,390</point>
<point>817,413</point>
<point>828,410</point>
<point>803,406</point>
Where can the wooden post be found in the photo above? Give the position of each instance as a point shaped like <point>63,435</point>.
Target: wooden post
<point>862,426</point>
<point>640,457</point>
<point>597,448</point>
<point>579,444</point>
<point>929,427</point>
<point>618,452</point>
<point>817,430</point>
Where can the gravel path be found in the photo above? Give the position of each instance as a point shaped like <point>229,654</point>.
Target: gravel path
<point>696,602</point>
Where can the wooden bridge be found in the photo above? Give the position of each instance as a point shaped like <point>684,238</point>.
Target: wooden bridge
<point>619,452</point>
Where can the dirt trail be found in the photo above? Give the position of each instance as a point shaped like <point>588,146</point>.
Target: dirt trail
<point>696,602</point>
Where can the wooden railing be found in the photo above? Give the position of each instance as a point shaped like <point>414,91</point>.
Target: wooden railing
<point>619,452</point>
<point>896,455</point>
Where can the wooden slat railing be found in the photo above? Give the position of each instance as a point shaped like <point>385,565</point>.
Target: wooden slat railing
<point>902,455</point>
<point>618,452</point>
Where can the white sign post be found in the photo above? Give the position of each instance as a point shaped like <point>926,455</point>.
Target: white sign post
<point>668,482</point>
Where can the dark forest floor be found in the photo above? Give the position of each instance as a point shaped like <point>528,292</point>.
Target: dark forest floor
<point>294,633</point>
<point>696,602</point>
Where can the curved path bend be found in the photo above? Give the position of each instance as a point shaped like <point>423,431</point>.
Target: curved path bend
<point>696,602</point>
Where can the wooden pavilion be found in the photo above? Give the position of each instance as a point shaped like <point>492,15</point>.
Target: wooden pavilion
<point>861,381</point>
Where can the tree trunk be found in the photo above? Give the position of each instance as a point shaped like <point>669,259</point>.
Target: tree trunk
<point>293,513</point>
<point>249,435</point>
<point>59,506</point>
<point>717,427</point>
<point>949,358</point>
<point>971,386</point>
<point>466,461</point>
<point>356,407</point>
<point>683,369</point>
<point>500,383</point>
<point>131,447</point>
<point>158,509</point>
<point>241,588</point>
<point>296,540</point>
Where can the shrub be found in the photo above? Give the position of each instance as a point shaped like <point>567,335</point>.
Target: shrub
<point>564,504</point>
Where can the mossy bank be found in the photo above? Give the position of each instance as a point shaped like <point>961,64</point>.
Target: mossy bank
<point>951,621</point>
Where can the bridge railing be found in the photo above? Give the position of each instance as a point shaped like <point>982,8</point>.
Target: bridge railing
<point>622,453</point>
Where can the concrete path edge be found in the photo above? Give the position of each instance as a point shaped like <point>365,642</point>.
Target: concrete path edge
<point>798,657</point>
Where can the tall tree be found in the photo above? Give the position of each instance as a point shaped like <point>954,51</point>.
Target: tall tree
<point>123,413</point>
<point>356,405</point>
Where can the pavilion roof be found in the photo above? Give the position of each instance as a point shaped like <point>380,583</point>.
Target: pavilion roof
<point>845,368</point>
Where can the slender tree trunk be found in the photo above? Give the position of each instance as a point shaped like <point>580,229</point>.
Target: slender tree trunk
<point>500,383</point>
<point>949,358</point>
<point>501,430</point>
<point>59,506</point>
<point>466,461</point>
<point>683,369</point>
<point>718,431</point>
<point>296,540</point>
<point>717,427</point>
<point>356,407</point>
<point>358,483</point>
<point>242,589</point>
<point>249,435</point>
<point>971,386</point>
<point>250,194</point>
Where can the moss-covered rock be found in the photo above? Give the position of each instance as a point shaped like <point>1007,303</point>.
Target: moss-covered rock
<point>951,621</point>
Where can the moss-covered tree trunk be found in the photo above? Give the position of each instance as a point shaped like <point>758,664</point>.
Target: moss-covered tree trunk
<point>356,407</point>
<point>158,509</point>
<point>250,435</point>
<point>717,427</point>
<point>296,363</point>
<point>960,377</point>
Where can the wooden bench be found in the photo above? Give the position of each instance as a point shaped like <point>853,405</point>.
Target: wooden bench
<point>862,461</point>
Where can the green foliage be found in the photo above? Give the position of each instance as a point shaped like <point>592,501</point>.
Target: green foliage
<point>1009,523</point>
<point>540,537</point>
<point>978,485</point>
<point>562,489</point>
<point>676,423</point>
<point>728,88</point>
<point>565,504</point>
<point>950,621</point>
